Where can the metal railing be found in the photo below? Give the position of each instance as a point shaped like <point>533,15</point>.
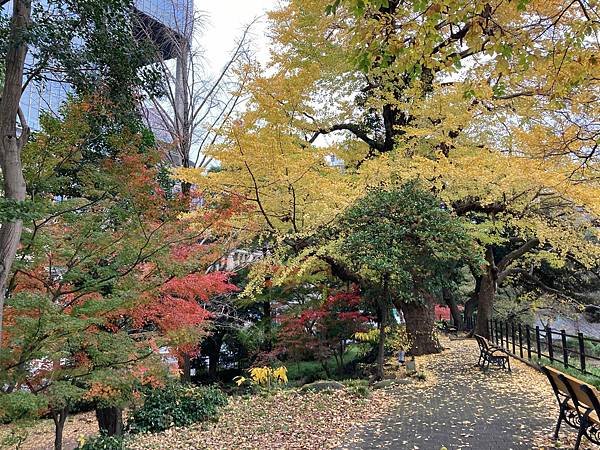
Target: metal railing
<point>574,351</point>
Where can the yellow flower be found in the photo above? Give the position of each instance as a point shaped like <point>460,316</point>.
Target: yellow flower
<point>281,374</point>
<point>239,380</point>
<point>260,375</point>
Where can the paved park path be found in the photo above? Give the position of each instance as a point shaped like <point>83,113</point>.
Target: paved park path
<point>460,406</point>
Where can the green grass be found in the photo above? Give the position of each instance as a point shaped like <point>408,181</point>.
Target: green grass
<point>313,370</point>
<point>592,378</point>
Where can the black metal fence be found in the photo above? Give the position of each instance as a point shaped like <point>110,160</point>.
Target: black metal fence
<point>469,323</point>
<point>574,351</point>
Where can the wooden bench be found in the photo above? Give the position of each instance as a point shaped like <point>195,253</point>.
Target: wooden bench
<point>489,353</point>
<point>578,405</point>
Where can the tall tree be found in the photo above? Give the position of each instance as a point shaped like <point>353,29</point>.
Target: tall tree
<point>492,105</point>
<point>108,271</point>
<point>12,143</point>
<point>403,241</point>
<point>88,44</point>
<point>194,104</point>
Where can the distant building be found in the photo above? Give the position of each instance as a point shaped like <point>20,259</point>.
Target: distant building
<point>165,21</point>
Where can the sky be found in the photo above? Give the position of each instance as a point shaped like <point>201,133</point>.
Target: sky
<point>226,20</point>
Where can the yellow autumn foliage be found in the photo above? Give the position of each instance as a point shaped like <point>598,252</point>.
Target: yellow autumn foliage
<point>506,126</point>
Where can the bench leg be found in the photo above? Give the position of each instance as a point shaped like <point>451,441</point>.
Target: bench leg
<point>557,428</point>
<point>578,441</point>
<point>508,362</point>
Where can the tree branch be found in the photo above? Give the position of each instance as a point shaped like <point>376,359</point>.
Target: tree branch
<point>510,257</point>
<point>355,129</point>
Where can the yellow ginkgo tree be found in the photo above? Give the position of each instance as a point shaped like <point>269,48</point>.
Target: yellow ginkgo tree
<point>492,105</point>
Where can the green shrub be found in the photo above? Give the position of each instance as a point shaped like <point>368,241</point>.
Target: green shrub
<point>102,442</point>
<point>176,405</point>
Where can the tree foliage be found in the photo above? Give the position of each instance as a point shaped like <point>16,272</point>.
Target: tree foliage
<point>321,331</point>
<point>107,273</point>
<point>490,105</point>
<point>407,238</point>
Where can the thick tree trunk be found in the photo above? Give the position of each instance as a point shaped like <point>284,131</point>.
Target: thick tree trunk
<point>487,293</point>
<point>59,417</point>
<point>11,144</point>
<point>493,276</point>
<point>471,303</point>
<point>485,305</point>
<point>420,320</point>
<point>454,311</point>
<point>110,420</point>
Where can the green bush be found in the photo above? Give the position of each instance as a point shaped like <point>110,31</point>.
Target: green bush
<point>102,442</point>
<point>176,405</point>
<point>20,405</point>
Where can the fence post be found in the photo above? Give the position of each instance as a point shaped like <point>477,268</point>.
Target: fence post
<point>563,337</point>
<point>581,351</point>
<point>512,333</point>
<point>528,337</point>
<point>496,331</point>
<point>520,341</point>
<point>537,341</point>
<point>549,342</point>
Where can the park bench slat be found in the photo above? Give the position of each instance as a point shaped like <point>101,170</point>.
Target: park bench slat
<point>578,405</point>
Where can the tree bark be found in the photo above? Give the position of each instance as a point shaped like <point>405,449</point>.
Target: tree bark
<point>451,302</point>
<point>471,303</point>
<point>186,369</point>
<point>59,417</point>
<point>110,421</point>
<point>11,145</point>
<point>420,320</point>
<point>487,293</point>
<point>494,275</point>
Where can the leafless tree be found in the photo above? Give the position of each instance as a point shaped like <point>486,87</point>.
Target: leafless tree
<point>194,104</point>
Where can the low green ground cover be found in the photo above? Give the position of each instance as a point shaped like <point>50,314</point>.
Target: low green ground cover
<point>313,370</point>
<point>592,377</point>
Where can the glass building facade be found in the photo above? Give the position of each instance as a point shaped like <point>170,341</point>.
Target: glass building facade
<point>173,16</point>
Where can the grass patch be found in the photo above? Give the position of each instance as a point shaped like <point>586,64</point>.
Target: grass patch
<point>592,378</point>
<point>313,370</point>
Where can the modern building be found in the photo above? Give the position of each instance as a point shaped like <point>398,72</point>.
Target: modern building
<point>167,22</point>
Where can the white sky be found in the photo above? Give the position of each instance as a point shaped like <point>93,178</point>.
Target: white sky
<point>226,20</point>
